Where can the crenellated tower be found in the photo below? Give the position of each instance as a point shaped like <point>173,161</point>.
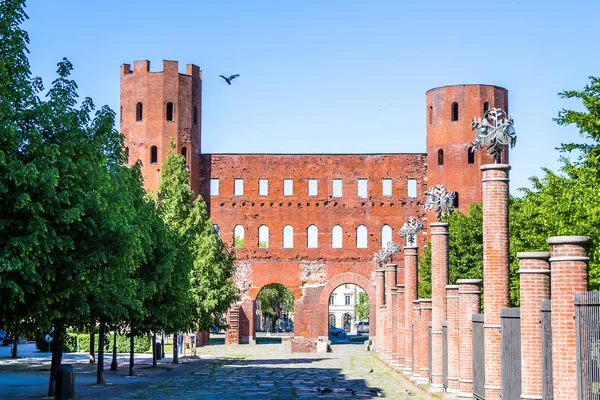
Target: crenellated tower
<point>450,161</point>
<point>157,108</point>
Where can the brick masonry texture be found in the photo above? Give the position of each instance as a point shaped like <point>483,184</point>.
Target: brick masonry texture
<point>569,265</point>
<point>452,301</point>
<point>469,297</point>
<point>439,280</point>
<point>534,287</point>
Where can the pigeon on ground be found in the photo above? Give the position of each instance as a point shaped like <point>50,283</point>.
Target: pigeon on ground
<point>371,371</point>
<point>228,80</point>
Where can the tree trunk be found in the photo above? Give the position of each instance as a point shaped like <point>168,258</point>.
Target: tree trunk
<point>162,345</point>
<point>131,348</point>
<point>92,343</point>
<point>100,372</point>
<point>14,347</point>
<point>154,355</point>
<point>114,364</point>
<point>176,348</point>
<point>57,349</point>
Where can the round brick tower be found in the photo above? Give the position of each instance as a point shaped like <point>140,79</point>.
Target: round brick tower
<point>157,108</point>
<point>450,162</point>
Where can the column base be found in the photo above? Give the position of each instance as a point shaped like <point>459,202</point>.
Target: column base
<point>462,395</point>
<point>407,371</point>
<point>436,388</point>
<point>422,381</point>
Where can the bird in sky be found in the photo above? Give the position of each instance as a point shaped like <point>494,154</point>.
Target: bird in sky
<point>228,80</point>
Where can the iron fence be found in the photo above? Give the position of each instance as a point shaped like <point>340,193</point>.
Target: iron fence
<point>445,354</point>
<point>510,352</point>
<point>587,323</point>
<point>547,389</point>
<point>478,357</point>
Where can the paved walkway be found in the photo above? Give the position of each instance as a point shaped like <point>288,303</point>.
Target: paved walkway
<point>223,372</point>
<point>264,372</point>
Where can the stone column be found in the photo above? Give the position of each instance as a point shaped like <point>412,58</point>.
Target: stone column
<point>423,351</point>
<point>400,318</point>
<point>410,295</point>
<point>452,310</point>
<point>390,285</point>
<point>569,265</point>
<point>416,340</point>
<point>495,268</point>
<point>439,280</point>
<point>379,303</point>
<point>469,297</point>
<point>535,286</point>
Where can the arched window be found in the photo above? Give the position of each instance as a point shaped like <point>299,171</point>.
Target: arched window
<point>169,111</point>
<point>440,157</point>
<point>313,237</point>
<point>336,237</point>
<point>455,201</point>
<point>486,107</point>
<point>386,235</point>
<point>331,316</point>
<point>263,236</point>
<point>361,237</point>
<point>127,154</point>
<point>153,155</point>
<point>138,111</point>
<point>195,115</point>
<point>430,115</point>
<point>184,154</point>
<point>238,236</point>
<point>288,237</point>
<point>454,111</point>
<point>471,155</point>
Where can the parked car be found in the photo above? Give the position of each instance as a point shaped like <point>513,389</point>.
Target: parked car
<point>5,340</point>
<point>362,327</point>
<point>335,331</point>
<point>286,326</point>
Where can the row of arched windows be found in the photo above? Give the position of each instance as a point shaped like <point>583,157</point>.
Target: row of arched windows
<point>454,111</point>
<point>312,236</point>
<point>139,109</point>
<point>470,156</point>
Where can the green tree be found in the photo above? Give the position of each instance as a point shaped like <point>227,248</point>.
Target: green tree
<point>361,308</point>
<point>275,299</point>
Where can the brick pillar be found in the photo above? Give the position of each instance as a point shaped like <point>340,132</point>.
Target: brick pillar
<point>416,324</point>
<point>423,351</point>
<point>495,268</point>
<point>469,296</point>
<point>569,265</point>
<point>390,282</point>
<point>439,280</point>
<point>379,302</point>
<point>452,310</point>
<point>399,333</point>
<point>535,286</point>
<point>410,295</point>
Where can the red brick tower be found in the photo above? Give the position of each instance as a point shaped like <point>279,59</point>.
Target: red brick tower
<point>450,110</point>
<point>157,107</point>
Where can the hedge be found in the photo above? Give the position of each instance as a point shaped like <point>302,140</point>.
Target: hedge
<point>80,343</point>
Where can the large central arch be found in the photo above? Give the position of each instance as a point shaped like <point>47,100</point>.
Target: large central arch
<point>340,279</point>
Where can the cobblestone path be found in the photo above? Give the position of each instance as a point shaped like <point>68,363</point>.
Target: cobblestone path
<point>264,372</point>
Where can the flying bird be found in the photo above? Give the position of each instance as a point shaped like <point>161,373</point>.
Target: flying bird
<point>228,80</point>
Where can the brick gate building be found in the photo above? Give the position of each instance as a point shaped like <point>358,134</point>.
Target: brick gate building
<point>311,222</point>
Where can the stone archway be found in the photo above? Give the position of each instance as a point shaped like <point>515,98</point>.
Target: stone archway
<point>340,279</point>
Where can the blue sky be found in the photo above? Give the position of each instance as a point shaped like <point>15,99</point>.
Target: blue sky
<point>334,76</point>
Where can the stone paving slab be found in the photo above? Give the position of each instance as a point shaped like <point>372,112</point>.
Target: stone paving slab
<point>265,372</point>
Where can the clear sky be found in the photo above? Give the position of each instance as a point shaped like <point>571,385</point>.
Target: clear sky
<point>334,76</point>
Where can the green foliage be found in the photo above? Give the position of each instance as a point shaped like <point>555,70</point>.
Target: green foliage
<point>80,343</point>
<point>424,285</point>
<point>361,308</point>
<point>262,244</point>
<point>275,299</point>
<point>238,242</point>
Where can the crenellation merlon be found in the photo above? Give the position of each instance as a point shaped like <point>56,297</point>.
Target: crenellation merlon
<point>169,67</point>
